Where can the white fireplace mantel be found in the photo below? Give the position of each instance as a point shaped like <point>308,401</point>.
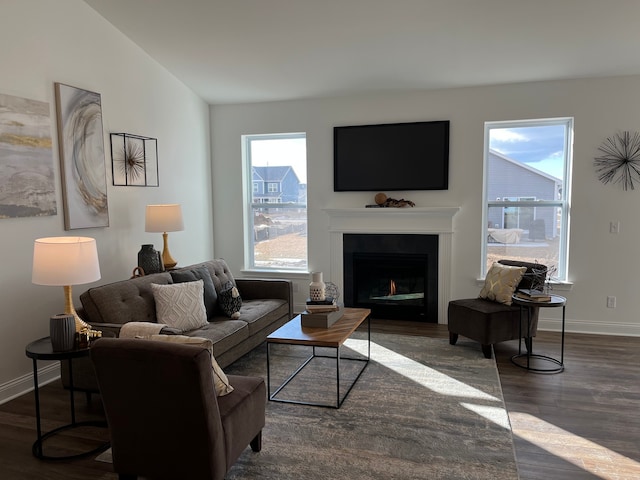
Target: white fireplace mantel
<point>416,220</point>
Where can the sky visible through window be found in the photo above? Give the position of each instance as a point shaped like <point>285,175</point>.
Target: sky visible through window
<point>539,147</point>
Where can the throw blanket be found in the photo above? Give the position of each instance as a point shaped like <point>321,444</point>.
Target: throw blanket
<point>140,329</point>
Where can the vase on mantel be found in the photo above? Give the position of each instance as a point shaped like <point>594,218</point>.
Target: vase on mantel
<point>316,287</point>
<point>150,260</point>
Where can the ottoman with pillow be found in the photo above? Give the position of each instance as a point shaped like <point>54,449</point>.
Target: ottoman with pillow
<point>491,318</point>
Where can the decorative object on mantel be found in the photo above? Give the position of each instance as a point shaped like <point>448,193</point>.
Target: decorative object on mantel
<point>81,143</point>
<point>150,260</point>
<point>134,160</point>
<point>316,287</point>
<point>620,159</point>
<point>164,218</point>
<point>382,201</point>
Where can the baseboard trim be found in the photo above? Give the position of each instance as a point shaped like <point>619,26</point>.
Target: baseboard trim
<point>24,384</point>
<point>594,328</point>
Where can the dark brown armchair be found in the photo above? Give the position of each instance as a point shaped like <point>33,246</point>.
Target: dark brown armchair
<point>165,419</point>
<point>489,322</point>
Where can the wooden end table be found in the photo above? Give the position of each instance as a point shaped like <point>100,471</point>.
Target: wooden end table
<point>293,333</point>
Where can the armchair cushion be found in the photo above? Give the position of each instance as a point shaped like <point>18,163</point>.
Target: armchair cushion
<point>180,305</point>
<point>500,283</point>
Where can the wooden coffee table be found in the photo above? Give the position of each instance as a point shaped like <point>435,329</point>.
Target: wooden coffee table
<point>293,333</point>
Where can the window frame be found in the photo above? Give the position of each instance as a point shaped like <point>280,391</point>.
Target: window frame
<point>564,203</point>
<point>264,202</point>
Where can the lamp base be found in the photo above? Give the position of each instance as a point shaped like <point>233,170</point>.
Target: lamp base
<point>167,259</point>
<point>70,310</point>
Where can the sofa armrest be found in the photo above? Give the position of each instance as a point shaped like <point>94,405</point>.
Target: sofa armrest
<point>107,329</point>
<point>259,288</point>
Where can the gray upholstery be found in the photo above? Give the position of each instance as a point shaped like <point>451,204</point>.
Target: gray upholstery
<point>267,304</point>
<point>165,419</point>
<point>490,322</point>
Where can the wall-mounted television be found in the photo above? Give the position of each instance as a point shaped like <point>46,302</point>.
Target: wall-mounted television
<point>392,156</point>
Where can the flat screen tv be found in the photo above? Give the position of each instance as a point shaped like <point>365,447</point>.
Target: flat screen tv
<point>393,156</point>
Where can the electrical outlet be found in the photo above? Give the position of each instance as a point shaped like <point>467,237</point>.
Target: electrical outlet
<point>611,302</point>
<point>614,227</point>
<point>296,287</point>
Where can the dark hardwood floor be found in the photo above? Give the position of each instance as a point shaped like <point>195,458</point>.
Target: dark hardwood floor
<point>583,423</point>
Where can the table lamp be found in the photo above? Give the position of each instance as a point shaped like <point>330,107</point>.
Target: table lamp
<point>66,261</point>
<point>164,218</point>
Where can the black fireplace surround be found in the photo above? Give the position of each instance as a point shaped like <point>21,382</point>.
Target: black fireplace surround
<point>395,275</point>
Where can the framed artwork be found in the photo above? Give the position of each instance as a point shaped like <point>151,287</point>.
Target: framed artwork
<point>27,184</point>
<point>134,160</point>
<point>81,141</point>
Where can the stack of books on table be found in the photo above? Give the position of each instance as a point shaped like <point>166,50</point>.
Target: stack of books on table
<point>321,313</point>
<point>533,295</point>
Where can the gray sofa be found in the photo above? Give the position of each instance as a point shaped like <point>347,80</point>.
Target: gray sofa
<point>267,304</point>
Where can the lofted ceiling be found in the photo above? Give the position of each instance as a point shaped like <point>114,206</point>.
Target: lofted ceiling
<point>239,51</point>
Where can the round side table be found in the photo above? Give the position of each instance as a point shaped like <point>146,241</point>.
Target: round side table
<point>524,304</point>
<point>43,350</point>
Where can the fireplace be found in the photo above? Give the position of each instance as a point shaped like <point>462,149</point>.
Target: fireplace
<point>395,275</point>
<point>436,221</point>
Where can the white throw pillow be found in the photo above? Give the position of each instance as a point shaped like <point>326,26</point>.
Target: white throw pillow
<point>220,380</point>
<point>180,305</point>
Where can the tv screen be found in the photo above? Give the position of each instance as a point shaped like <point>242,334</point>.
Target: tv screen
<point>394,156</point>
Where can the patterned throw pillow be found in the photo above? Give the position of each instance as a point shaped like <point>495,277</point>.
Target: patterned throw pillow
<point>229,300</point>
<point>180,305</point>
<point>220,380</point>
<point>200,273</point>
<point>500,283</point>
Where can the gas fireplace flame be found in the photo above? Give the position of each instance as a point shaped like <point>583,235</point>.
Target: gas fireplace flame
<point>392,287</point>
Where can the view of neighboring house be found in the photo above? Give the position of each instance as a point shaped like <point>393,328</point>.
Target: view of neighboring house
<point>277,185</point>
<point>532,185</point>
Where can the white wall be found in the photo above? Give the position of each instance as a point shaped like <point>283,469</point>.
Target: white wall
<point>600,263</point>
<point>66,41</point>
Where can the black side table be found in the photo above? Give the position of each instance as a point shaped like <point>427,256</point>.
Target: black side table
<point>43,350</point>
<point>555,302</point>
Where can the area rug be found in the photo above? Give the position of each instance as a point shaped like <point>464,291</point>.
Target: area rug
<point>422,409</point>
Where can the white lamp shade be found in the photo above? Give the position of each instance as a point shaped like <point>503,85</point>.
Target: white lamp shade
<point>163,218</point>
<point>63,261</point>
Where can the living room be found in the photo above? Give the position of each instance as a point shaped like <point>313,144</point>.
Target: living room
<point>200,168</point>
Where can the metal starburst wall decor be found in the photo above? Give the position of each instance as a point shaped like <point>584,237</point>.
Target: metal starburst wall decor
<point>620,160</point>
<point>134,160</point>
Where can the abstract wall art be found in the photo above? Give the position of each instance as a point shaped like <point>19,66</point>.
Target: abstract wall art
<point>81,141</point>
<point>27,185</point>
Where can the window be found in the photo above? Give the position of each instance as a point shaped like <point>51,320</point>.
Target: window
<point>276,171</point>
<point>527,168</point>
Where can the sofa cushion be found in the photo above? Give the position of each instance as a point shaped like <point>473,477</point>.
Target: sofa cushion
<point>180,305</point>
<point>230,300</point>
<point>500,283</point>
<point>260,314</point>
<point>224,333</point>
<point>219,270</point>
<point>124,301</point>
<point>220,380</point>
<point>199,273</point>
